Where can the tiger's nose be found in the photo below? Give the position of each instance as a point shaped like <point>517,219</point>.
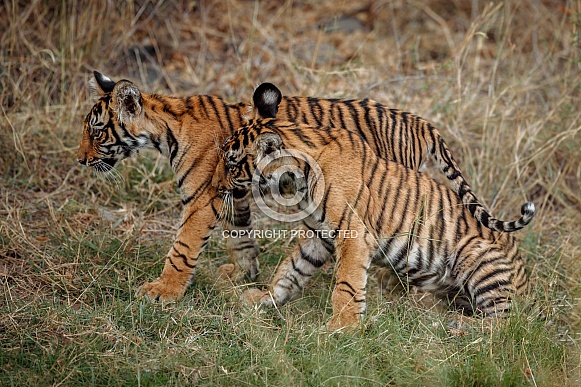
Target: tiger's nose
<point>84,160</point>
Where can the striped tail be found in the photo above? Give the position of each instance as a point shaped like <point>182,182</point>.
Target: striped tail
<point>448,165</point>
<point>527,213</point>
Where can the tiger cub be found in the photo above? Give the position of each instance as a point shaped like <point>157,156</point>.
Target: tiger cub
<point>186,130</point>
<point>370,211</point>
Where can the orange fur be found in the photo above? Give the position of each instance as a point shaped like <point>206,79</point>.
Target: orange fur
<point>188,130</point>
<point>401,219</point>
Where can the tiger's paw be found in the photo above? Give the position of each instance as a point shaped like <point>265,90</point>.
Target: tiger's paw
<point>252,296</point>
<point>266,300</point>
<point>255,296</point>
<point>342,323</point>
<point>227,271</point>
<point>238,275</point>
<point>159,290</point>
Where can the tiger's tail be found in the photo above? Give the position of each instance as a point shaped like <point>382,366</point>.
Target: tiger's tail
<point>527,211</point>
<point>448,166</point>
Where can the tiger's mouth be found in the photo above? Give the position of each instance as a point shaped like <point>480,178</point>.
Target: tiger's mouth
<point>104,164</point>
<point>111,162</point>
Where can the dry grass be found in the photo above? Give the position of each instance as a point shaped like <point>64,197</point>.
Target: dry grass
<point>501,81</point>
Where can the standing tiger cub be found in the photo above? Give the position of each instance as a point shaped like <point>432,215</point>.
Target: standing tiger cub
<point>186,130</point>
<point>370,211</point>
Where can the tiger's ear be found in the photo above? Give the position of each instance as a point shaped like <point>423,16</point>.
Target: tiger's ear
<point>266,99</point>
<point>267,143</point>
<point>101,84</point>
<point>126,101</point>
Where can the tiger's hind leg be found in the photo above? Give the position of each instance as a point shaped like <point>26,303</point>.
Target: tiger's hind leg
<point>297,269</point>
<point>490,274</point>
<point>389,283</point>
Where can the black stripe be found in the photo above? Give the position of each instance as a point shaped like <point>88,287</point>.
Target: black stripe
<point>431,130</point>
<point>396,200</point>
<point>114,133</point>
<point>155,141</point>
<point>183,257</point>
<point>399,260</point>
<point>341,118</point>
<point>214,210</point>
<point>292,110</point>
<point>190,169</point>
<point>182,224</point>
<point>291,277</point>
<point>183,153</point>
<point>312,260</point>
<point>227,111</point>
<point>303,137</point>
<point>173,265</point>
<point>212,101</point>
<point>315,109</point>
<point>446,207</point>
<point>460,258</point>
<point>351,290</point>
<point>382,117</point>
<point>356,120</point>
<point>191,108</point>
<point>172,144</point>
<point>182,244</point>
<point>412,140</point>
<point>197,192</point>
<point>323,207</point>
<point>203,105</point>
<point>491,287</point>
<point>371,125</point>
<point>244,245</point>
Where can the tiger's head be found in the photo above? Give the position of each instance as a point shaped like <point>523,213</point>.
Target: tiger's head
<point>241,153</point>
<point>248,145</point>
<point>111,131</point>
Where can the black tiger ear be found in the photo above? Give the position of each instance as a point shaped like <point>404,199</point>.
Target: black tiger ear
<point>101,84</point>
<point>126,100</point>
<point>266,143</point>
<point>266,99</point>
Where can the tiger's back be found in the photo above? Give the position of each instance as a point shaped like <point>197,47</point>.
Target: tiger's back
<point>394,134</point>
<point>390,133</point>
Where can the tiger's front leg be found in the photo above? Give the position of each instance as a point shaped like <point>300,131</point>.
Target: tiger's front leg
<point>348,298</point>
<point>198,220</point>
<point>241,245</point>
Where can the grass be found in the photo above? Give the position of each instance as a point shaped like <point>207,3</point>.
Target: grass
<point>502,82</point>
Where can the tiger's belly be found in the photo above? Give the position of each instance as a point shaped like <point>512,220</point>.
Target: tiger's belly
<point>415,264</point>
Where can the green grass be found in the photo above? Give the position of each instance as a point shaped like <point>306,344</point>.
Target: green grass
<point>104,336</point>
<point>74,248</point>
<point>88,328</point>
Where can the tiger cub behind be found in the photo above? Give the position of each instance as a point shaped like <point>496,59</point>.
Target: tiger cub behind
<point>369,210</point>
